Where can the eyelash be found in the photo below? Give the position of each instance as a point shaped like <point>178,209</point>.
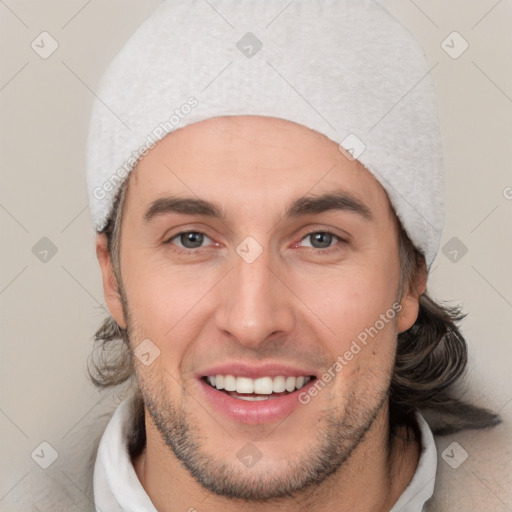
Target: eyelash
<point>326,232</point>
<point>328,250</point>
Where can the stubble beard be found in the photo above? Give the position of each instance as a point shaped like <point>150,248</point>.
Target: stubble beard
<point>336,440</point>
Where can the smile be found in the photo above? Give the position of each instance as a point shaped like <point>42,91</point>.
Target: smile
<point>258,400</point>
<point>261,388</point>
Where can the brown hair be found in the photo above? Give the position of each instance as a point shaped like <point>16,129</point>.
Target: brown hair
<point>431,356</point>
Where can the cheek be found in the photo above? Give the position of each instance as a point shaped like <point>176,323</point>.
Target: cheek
<point>350,299</point>
<point>165,302</point>
<point>158,312</point>
<point>355,314</point>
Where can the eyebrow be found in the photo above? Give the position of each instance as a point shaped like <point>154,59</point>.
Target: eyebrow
<point>307,205</point>
<point>332,201</point>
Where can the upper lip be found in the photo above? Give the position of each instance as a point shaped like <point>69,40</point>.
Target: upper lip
<point>239,369</point>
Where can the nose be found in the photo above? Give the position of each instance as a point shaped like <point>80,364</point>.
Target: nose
<point>255,304</point>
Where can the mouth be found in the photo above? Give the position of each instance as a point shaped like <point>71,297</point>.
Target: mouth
<point>258,389</point>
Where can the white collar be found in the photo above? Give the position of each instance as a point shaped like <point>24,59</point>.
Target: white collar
<point>421,487</point>
<point>118,489</point>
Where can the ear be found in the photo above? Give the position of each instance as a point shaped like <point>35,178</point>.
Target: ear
<point>410,299</point>
<point>110,289</point>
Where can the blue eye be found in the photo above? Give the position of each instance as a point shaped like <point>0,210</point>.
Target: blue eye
<point>186,241</point>
<point>322,239</point>
<point>189,239</point>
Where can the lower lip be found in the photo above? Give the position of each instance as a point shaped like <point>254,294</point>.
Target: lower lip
<point>243,411</point>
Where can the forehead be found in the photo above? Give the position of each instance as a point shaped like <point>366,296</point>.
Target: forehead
<point>245,162</point>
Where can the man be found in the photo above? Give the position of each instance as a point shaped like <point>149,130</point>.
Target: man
<point>269,200</point>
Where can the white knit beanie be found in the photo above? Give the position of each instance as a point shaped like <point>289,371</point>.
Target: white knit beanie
<point>345,68</point>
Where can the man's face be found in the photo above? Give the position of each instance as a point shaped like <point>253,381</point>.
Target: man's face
<point>214,305</point>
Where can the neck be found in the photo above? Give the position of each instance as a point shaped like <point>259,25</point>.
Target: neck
<point>371,480</point>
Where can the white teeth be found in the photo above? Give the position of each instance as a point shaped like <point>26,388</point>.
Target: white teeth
<point>244,385</point>
<point>255,398</point>
<point>278,384</point>
<point>259,386</point>
<point>229,383</point>
<point>290,384</point>
<point>263,386</point>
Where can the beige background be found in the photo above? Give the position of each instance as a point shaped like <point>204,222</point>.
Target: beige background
<point>49,310</point>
